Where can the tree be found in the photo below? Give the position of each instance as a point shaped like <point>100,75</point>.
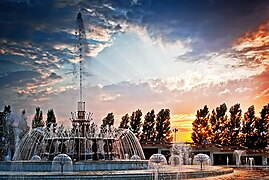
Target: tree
<point>51,119</point>
<point>38,119</point>
<point>217,123</point>
<point>23,127</point>
<point>248,127</point>
<point>124,121</point>
<point>200,127</point>
<point>232,127</point>
<point>7,134</point>
<point>135,122</point>
<point>3,134</point>
<point>108,120</point>
<point>261,128</point>
<point>163,131</point>
<point>148,131</point>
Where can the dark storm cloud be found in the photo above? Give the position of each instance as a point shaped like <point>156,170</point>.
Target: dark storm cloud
<point>212,24</point>
<point>54,76</point>
<point>18,78</point>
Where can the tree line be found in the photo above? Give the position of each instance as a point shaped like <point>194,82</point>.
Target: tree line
<point>233,129</point>
<point>152,128</point>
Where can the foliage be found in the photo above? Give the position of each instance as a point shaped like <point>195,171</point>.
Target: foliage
<point>217,121</point>
<point>124,121</point>
<point>232,126</point>
<point>148,131</point>
<point>249,131</point>
<point>7,140</point>
<point>261,128</point>
<point>38,119</point>
<point>108,120</point>
<point>135,122</point>
<point>248,125</point>
<point>200,127</point>
<point>163,131</point>
<point>51,119</point>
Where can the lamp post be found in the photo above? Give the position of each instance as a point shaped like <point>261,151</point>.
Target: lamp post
<point>175,130</point>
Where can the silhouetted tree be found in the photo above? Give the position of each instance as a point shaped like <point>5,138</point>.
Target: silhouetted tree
<point>108,120</point>
<point>124,121</point>
<point>23,127</point>
<point>261,128</point>
<point>7,133</point>
<point>51,119</point>
<point>248,127</point>
<point>135,122</point>
<point>148,131</point>
<point>200,127</point>
<point>232,127</point>
<point>163,131</point>
<point>217,123</point>
<point>38,119</point>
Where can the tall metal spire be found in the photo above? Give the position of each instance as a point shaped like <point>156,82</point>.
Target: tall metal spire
<point>81,39</point>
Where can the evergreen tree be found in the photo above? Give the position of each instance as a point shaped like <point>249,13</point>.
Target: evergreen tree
<point>124,121</point>
<point>23,127</point>
<point>38,119</point>
<point>51,119</point>
<point>108,120</point>
<point>218,120</point>
<point>232,127</point>
<point>248,127</point>
<point>200,127</point>
<point>148,131</point>
<point>163,131</point>
<point>135,122</point>
<point>3,135</point>
<point>7,133</point>
<point>261,128</point>
<point>107,123</point>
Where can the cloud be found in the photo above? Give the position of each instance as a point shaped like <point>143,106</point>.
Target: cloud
<point>253,47</point>
<point>18,78</point>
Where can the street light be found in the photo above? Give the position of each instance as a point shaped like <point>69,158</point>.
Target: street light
<point>175,130</point>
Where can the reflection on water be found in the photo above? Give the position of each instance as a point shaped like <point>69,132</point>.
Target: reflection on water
<point>244,173</point>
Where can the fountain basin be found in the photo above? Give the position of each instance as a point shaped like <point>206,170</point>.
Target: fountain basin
<point>46,166</point>
<point>166,172</point>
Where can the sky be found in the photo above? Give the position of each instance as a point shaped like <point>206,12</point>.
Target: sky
<point>141,54</point>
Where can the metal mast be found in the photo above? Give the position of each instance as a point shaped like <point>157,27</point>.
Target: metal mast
<point>81,48</point>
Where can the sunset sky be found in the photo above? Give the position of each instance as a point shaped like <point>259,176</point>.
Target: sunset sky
<point>143,54</point>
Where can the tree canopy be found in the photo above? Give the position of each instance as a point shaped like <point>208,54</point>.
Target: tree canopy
<point>51,118</point>
<point>135,122</point>
<point>124,121</point>
<point>38,119</point>
<point>163,128</point>
<point>200,127</point>
<point>108,120</point>
<point>148,131</point>
<point>235,130</point>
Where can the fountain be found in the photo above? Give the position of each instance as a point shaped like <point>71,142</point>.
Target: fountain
<point>135,158</point>
<point>156,161</point>
<point>238,154</point>
<point>175,160</point>
<point>62,162</point>
<point>183,151</point>
<point>35,158</point>
<point>203,159</point>
<point>251,162</point>
<point>87,145</point>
